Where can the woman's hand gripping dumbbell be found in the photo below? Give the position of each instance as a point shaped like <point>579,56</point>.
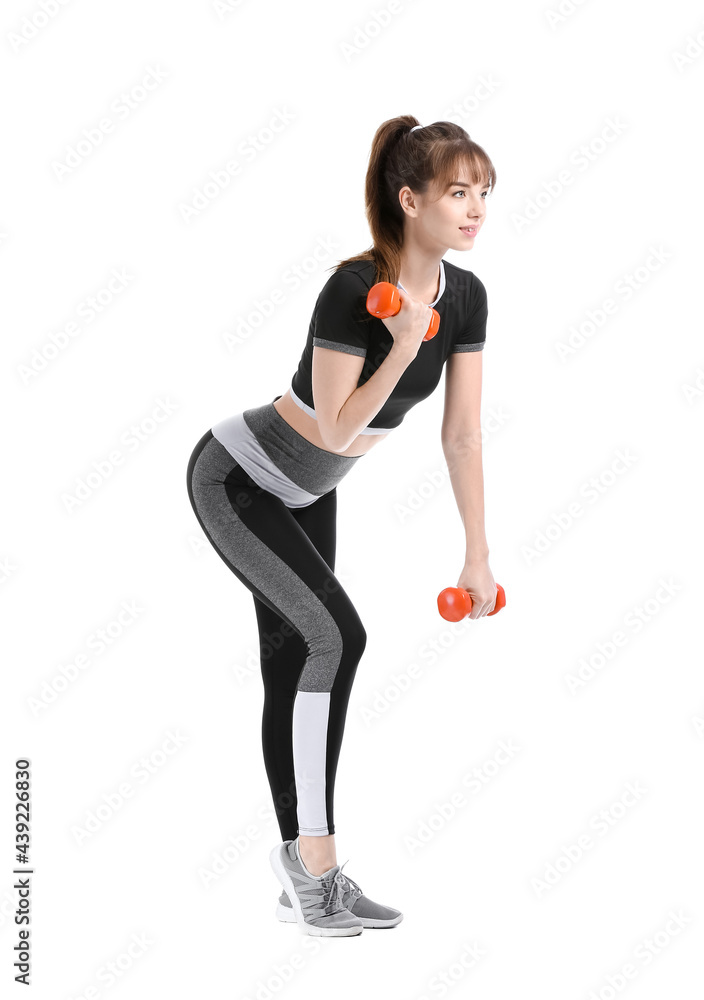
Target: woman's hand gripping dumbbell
<point>454,603</point>
<point>384,300</point>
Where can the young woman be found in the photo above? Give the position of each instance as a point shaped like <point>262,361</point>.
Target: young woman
<point>263,483</point>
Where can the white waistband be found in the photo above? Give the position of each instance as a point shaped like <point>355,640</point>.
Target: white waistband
<point>237,438</point>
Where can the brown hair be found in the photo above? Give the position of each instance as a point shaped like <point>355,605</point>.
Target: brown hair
<point>398,157</point>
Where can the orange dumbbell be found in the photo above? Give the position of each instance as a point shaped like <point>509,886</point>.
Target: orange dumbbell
<point>454,603</point>
<point>384,300</point>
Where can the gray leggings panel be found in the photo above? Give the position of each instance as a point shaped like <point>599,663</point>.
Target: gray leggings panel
<point>224,510</point>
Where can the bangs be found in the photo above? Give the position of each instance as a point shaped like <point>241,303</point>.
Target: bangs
<point>469,162</point>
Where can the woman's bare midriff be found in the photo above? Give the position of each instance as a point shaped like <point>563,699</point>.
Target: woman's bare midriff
<point>307,426</point>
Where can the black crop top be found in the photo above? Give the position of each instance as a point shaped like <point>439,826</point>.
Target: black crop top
<point>341,322</point>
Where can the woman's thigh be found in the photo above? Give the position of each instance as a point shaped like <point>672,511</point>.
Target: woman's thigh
<point>265,546</point>
<point>282,650</point>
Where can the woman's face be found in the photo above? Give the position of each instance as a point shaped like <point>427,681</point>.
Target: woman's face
<point>449,219</point>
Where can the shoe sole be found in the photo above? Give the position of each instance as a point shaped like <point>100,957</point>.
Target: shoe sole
<point>287,916</point>
<point>305,928</point>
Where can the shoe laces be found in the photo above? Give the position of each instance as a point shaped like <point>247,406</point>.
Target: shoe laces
<point>334,888</point>
<point>347,883</point>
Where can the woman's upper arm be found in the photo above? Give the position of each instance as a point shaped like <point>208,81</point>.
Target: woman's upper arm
<point>335,375</point>
<point>463,395</point>
<point>341,325</point>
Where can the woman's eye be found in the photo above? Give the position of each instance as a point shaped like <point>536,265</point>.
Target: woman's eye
<point>459,192</point>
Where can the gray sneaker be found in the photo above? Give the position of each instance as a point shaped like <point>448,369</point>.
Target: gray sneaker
<point>316,902</point>
<point>353,899</point>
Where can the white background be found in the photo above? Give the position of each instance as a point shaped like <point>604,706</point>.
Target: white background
<point>532,87</point>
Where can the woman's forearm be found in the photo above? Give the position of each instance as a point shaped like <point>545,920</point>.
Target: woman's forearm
<point>464,462</point>
<point>366,400</point>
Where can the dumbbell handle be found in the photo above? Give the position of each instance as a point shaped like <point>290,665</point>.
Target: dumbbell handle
<point>384,300</point>
<point>454,603</point>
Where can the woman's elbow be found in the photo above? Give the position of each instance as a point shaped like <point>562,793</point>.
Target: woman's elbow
<point>331,440</point>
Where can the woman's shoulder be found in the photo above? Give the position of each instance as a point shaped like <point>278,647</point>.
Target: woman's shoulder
<point>455,273</point>
<point>352,272</point>
<point>466,285</point>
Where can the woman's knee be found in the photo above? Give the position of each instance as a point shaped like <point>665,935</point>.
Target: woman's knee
<point>354,637</point>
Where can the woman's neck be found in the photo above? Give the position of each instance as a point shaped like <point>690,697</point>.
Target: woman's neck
<point>420,270</point>
<point>422,283</point>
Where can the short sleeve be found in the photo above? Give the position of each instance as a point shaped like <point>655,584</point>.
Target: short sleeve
<point>341,319</point>
<point>474,334</point>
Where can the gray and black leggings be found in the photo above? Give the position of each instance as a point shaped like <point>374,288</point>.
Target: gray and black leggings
<point>311,637</point>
